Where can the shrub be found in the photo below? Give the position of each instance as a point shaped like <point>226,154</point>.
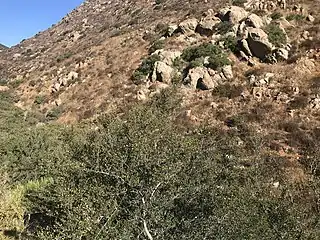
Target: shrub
<point>228,91</point>
<point>39,99</point>
<point>239,3</point>
<point>231,43</point>
<point>158,2</point>
<point>224,27</point>
<point>276,15</point>
<point>198,62</point>
<point>145,68</point>
<point>145,172</point>
<point>276,35</point>
<point>64,56</point>
<point>296,17</point>
<point>158,44</point>
<point>15,83</point>
<point>12,208</point>
<point>119,178</point>
<point>217,58</point>
<point>3,82</point>
<point>315,83</point>
<point>299,102</point>
<point>54,113</point>
<point>178,63</point>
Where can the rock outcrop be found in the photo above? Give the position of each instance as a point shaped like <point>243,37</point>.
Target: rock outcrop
<point>258,43</point>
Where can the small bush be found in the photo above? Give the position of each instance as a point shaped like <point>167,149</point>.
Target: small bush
<point>299,102</point>
<point>39,99</point>
<point>198,62</point>
<point>217,58</point>
<point>3,82</point>
<point>315,83</point>
<point>161,29</point>
<point>228,91</point>
<point>145,68</point>
<point>276,15</point>
<point>238,3</point>
<point>296,17</point>
<point>64,56</point>
<point>231,43</point>
<point>178,63</point>
<point>276,35</point>
<point>158,2</point>
<point>15,83</point>
<point>224,27</point>
<point>54,113</point>
<point>158,44</point>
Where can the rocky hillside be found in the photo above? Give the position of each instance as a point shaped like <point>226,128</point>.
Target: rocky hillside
<point>213,131</point>
<point>83,65</point>
<point>3,47</point>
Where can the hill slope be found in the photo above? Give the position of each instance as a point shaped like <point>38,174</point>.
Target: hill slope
<point>211,128</point>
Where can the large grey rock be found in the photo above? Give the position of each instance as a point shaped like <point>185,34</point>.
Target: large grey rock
<point>4,88</point>
<point>227,72</point>
<point>242,31</point>
<point>73,75</point>
<point>258,43</point>
<point>253,20</point>
<point>167,56</point>
<point>157,87</point>
<point>207,25</point>
<point>172,28</point>
<point>244,56</point>
<point>282,54</point>
<point>200,78</point>
<point>55,87</point>
<point>245,47</point>
<point>162,72</point>
<point>188,25</point>
<point>310,18</point>
<point>233,14</point>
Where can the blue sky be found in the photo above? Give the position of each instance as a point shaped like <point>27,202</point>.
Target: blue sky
<point>20,19</point>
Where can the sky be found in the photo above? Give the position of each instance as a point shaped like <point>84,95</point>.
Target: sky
<point>21,19</point>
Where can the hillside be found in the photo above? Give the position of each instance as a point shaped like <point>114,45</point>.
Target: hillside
<point>3,47</point>
<point>164,120</point>
<point>93,41</point>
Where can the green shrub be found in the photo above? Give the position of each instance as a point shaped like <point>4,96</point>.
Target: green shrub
<point>239,3</point>
<point>158,2</point>
<point>224,27</point>
<point>231,43</point>
<point>145,68</point>
<point>54,113</point>
<point>15,83</point>
<point>276,15</point>
<point>3,82</point>
<point>276,35</point>
<point>178,63</point>
<point>217,58</point>
<point>198,62</point>
<point>296,17</point>
<point>228,91</point>
<point>39,99</point>
<point>64,56</point>
<point>161,29</point>
<point>158,44</point>
<point>143,170</point>
<point>299,102</point>
<point>118,176</point>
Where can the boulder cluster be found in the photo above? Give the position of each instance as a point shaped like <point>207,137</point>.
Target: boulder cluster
<point>247,28</point>
<point>247,31</point>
